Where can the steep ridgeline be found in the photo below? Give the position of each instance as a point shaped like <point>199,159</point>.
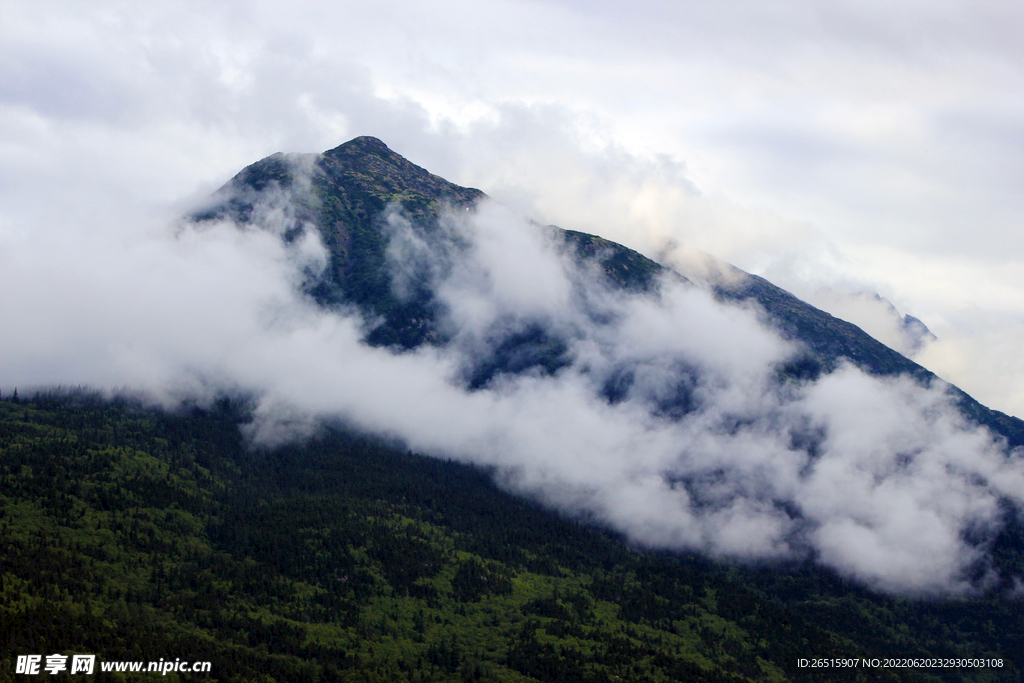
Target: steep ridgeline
<point>346,192</point>
<point>830,341</point>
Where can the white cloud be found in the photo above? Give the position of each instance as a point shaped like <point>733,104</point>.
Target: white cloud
<point>878,479</point>
<point>863,147</point>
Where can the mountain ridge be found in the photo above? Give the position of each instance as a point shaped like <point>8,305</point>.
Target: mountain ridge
<point>351,555</point>
<point>354,183</point>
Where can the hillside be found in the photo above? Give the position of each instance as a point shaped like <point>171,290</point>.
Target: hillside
<point>348,560</point>
<point>345,192</point>
<point>460,446</point>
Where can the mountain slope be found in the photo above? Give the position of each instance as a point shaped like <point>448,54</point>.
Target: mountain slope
<point>346,557</point>
<point>346,192</point>
<point>343,559</point>
<point>830,341</point>
<point>720,415</point>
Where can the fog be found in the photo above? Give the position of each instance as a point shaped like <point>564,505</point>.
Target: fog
<point>666,420</point>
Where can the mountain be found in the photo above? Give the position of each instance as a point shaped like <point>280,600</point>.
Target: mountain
<point>143,534</point>
<point>917,333</point>
<point>346,191</point>
<point>837,436</point>
<point>351,187</point>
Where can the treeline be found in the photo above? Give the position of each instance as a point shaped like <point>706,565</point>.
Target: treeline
<point>139,534</point>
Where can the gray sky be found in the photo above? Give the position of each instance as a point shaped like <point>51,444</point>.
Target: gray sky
<point>836,149</point>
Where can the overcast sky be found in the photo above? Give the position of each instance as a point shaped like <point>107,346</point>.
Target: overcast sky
<point>842,151</point>
<point>833,147</point>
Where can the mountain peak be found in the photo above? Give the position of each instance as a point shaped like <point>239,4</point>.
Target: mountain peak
<point>364,144</point>
<point>366,162</point>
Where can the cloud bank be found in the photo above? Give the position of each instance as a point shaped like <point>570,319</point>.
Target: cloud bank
<point>856,146</point>
<point>664,418</point>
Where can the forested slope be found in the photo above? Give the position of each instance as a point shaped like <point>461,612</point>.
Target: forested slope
<point>138,534</point>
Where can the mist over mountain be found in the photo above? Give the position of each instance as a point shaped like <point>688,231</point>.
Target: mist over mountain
<point>707,410</point>
<point>879,317</point>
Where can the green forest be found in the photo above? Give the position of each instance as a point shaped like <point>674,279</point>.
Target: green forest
<point>136,533</point>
